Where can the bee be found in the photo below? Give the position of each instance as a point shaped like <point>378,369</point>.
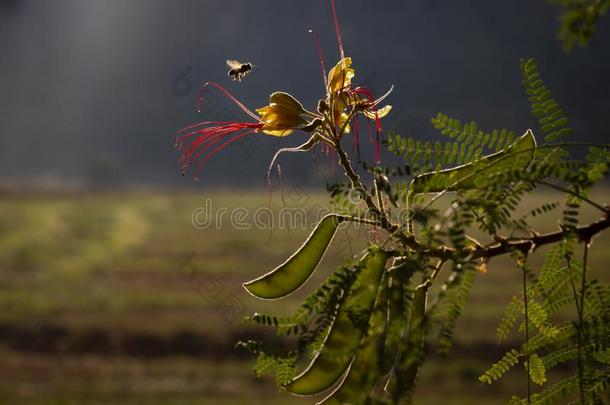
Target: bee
<point>238,70</point>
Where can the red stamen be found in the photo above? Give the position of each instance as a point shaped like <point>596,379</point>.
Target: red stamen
<point>207,138</point>
<point>219,148</point>
<point>201,133</point>
<point>200,124</point>
<point>211,141</point>
<point>377,147</point>
<point>229,95</point>
<point>356,129</point>
<point>378,128</point>
<point>196,150</point>
<point>321,57</point>
<point>204,136</point>
<point>337,30</point>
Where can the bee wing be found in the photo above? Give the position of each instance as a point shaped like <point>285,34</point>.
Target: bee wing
<point>233,64</point>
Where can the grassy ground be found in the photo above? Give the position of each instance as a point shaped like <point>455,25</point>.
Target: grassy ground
<point>117,298</point>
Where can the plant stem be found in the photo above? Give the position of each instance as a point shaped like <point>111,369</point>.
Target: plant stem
<point>359,220</point>
<point>527,332</point>
<point>575,194</point>
<point>583,232</point>
<point>583,286</point>
<point>359,187</point>
<point>574,292</point>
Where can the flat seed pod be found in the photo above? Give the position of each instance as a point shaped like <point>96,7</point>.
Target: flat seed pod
<point>366,368</point>
<point>344,337</point>
<point>396,321</point>
<point>477,174</point>
<point>295,271</point>
<point>411,354</point>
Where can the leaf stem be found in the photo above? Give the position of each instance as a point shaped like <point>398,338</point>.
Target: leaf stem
<point>527,330</point>
<point>583,286</point>
<point>575,194</point>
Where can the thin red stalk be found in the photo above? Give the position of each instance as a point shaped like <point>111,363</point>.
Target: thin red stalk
<point>196,150</point>
<point>202,133</point>
<point>337,29</point>
<point>200,124</point>
<point>200,140</point>
<point>212,141</point>
<point>207,138</point>
<point>378,128</point>
<point>377,147</point>
<point>229,95</point>
<point>321,57</point>
<point>219,148</point>
<point>356,129</point>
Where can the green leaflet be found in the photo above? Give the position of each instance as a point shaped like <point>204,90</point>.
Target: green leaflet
<point>366,368</point>
<point>411,353</point>
<point>477,174</point>
<point>289,276</point>
<point>344,337</point>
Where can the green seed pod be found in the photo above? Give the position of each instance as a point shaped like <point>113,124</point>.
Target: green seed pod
<point>293,273</point>
<point>411,353</point>
<point>477,174</point>
<point>366,368</point>
<point>345,336</point>
<point>397,320</point>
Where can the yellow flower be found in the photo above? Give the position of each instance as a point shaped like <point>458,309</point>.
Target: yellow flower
<point>283,115</point>
<point>341,75</point>
<point>342,122</point>
<point>346,99</point>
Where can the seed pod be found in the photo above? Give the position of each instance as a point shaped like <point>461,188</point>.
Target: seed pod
<point>344,337</point>
<point>293,273</point>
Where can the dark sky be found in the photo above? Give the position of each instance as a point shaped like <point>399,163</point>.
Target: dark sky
<point>100,86</point>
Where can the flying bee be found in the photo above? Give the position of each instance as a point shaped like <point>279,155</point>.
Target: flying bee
<point>238,70</point>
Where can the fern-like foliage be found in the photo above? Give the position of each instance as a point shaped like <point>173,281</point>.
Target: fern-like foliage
<point>511,313</point>
<point>455,298</point>
<point>555,285</point>
<point>497,370</point>
<point>559,343</point>
<point>484,176</point>
<point>578,20</point>
<point>551,117</point>
<point>468,143</point>
<point>537,369</point>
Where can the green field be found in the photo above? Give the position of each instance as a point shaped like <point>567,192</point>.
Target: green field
<point>116,298</point>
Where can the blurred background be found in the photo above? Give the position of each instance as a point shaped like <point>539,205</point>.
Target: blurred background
<point>108,293</point>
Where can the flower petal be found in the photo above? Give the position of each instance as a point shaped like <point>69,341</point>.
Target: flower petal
<point>341,75</point>
<point>283,114</point>
<point>277,132</point>
<point>379,113</point>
